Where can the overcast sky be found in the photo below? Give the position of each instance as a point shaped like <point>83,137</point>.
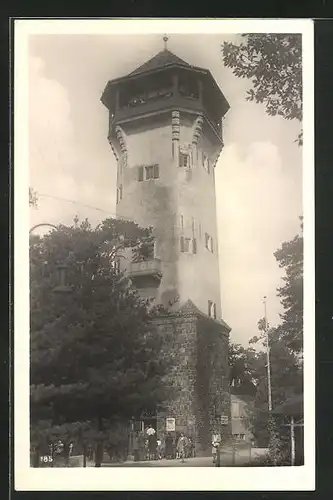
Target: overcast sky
<point>258,176</point>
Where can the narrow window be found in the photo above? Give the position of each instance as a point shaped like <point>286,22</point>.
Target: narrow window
<point>206,240</point>
<point>209,242</point>
<point>211,309</point>
<point>140,174</point>
<point>182,223</point>
<point>156,171</point>
<point>119,193</point>
<point>187,244</point>
<point>149,172</point>
<point>206,163</point>
<point>182,244</point>
<point>184,160</point>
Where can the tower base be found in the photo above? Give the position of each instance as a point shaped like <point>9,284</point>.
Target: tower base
<point>199,379</point>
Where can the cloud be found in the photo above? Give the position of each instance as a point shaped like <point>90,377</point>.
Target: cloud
<point>56,157</point>
<point>255,215</point>
<point>50,128</point>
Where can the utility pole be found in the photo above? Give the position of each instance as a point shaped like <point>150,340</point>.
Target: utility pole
<point>271,423</point>
<point>268,359</point>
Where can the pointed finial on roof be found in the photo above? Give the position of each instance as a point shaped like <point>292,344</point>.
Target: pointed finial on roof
<point>165,40</point>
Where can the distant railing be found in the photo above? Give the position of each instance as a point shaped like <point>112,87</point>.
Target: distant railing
<point>145,268</point>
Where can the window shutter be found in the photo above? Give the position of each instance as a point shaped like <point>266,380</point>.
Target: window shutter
<point>214,310</point>
<point>156,171</point>
<point>182,243</point>
<point>140,174</point>
<point>194,245</point>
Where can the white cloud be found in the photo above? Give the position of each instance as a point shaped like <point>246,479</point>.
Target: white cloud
<point>55,157</point>
<point>256,214</point>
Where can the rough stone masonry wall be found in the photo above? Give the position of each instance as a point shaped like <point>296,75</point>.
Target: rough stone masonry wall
<point>212,380</point>
<point>180,333</point>
<point>199,376</point>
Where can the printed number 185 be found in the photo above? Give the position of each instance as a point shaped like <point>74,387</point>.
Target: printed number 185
<point>46,458</point>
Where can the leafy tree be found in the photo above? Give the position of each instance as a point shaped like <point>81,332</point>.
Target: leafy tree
<point>290,258</point>
<point>94,352</point>
<point>273,63</point>
<point>286,380</point>
<point>285,350</point>
<point>33,199</point>
<point>243,369</point>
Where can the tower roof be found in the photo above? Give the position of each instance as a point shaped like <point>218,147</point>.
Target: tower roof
<point>160,60</point>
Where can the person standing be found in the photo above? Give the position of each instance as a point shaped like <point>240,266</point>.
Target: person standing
<point>216,441</point>
<point>168,446</point>
<point>152,442</point>
<point>181,447</point>
<point>159,449</point>
<point>191,452</point>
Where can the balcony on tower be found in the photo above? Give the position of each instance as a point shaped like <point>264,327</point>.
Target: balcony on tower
<point>164,83</point>
<point>145,273</point>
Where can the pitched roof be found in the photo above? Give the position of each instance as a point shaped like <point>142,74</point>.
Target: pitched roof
<point>190,307</point>
<point>162,59</point>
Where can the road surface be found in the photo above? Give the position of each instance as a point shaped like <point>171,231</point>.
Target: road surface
<point>241,458</point>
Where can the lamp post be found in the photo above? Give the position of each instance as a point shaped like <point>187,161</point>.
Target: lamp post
<point>268,358</point>
<point>271,424</point>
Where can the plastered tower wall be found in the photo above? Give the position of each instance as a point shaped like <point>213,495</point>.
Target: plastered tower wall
<point>151,202</point>
<point>180,203</point>
<point>196,215</point>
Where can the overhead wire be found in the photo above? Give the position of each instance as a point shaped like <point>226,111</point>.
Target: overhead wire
<point>75,202</point>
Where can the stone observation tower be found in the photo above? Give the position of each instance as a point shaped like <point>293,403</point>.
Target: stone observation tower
<point>165,129</point>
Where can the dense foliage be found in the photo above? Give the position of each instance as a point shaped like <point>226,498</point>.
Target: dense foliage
<point>273,64</point>
<point>95,355</point>
<point>248,366</point>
